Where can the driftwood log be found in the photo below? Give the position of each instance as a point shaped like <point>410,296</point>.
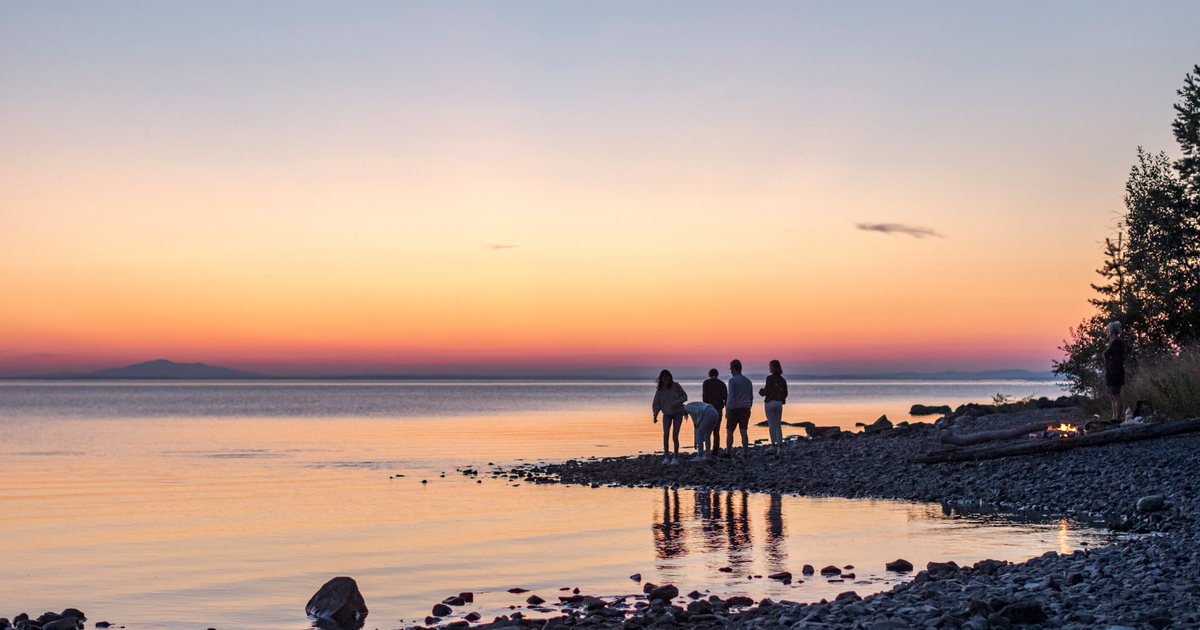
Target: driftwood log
<point>971,439</point>
<point>1056,444</point>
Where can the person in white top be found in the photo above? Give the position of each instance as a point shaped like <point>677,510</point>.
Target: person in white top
<point>705,417</point>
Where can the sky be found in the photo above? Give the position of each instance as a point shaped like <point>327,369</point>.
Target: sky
<point>567,187</point>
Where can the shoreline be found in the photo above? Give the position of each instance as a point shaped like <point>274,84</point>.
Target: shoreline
<point>1151,581</point>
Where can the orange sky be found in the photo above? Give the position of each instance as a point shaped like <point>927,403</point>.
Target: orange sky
<point>303,197</point>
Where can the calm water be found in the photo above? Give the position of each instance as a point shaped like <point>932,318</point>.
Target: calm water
<point>197,505</point>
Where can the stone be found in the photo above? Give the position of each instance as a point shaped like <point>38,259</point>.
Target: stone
<point>831,570</point>
<point>535,600</point>
<point>695,595</point>
<point>472,616</point>
<point>102,624</point>
<point>890,624</point>
<point>467,596</point>
<point>1023,613</point>
<point>518,590</point>
<point>74,612</point>
<point>64,623</point>
<point>595,603</point>
<point>942,569</point>
<point>879,426</point>
<point>431,621</point>
<point>48,617</point>
<point>725,570</point>
<point>1152,503</point>
<point>808,569</point>
<point>454,600</point>
<point>1074,578</point>
<point>339,601</point>
<point>649,586</point>
<point>700,607</point>
<point>929,410</point>
<point>636,577</point>
<point>900,566</point>
<point>739,600</point>
<point>666,593</point>
<point>441,610</point>
<point>850,595</point>
<point>782,576</point>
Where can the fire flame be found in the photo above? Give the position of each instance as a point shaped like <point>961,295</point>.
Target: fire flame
<point>1064,428</point>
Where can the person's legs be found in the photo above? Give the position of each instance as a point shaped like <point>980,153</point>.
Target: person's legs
<point>774,413</point>
<point>707,426</point>
<point>716,433</point>
<point>743,424</point>
<point>675,433</point>
<point>1115,394</point>
<point>666,422</point>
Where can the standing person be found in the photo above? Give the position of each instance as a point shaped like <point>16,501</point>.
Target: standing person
<point>741,399</point>
<point>715,394</point>
<point>775,394</point>
<point>704,416</point>
<point>1114,367</point>
<point>669,399</point>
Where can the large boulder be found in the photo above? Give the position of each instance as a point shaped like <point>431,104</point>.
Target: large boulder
<point>339,601</point>
<point>929,410</point>
<point>879,426</point>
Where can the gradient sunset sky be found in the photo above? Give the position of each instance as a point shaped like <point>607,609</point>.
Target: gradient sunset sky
<point>567,187</point>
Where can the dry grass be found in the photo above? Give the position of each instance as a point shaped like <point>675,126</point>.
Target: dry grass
<point>1169,386</point>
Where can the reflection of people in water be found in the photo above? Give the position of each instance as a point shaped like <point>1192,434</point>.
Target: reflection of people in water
<point>776,546</point>
<point>668,531</point>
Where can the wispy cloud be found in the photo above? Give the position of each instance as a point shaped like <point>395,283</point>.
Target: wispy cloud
<point>499,246</point>
<point>898,228</point>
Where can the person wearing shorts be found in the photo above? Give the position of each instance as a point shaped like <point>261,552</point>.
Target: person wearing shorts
<point>737,414</point>
<point>668,399</point>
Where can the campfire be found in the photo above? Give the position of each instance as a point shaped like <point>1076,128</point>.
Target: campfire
<point>1063,430</point>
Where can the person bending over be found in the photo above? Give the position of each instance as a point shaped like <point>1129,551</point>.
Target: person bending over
<point>741,399</point>
<point>669,398</point>
<point>715,394</point>
<point>704,416</point>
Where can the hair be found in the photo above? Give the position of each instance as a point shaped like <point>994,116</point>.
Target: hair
<point>664,377</point>
<point>713,373</point>
<point>775,368</point>
<point>1113,329</point>
<point>736,366</point>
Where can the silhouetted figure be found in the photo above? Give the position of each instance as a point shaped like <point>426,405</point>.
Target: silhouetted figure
<point>1114,367</point>
<point>775,394</point>
<point>776,545</point>
<point>669,541</point>
<point>669,398</point>
<point>741,399</point>
<point>704,416</point>
<point>715,394</point>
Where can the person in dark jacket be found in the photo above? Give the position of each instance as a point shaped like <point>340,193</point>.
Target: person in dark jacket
<point>715,394</point>
<point>775,394</point>
<point>669,398</point>
<point>1114,367</point>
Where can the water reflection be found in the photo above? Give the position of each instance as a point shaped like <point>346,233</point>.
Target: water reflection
<point>719,521</point>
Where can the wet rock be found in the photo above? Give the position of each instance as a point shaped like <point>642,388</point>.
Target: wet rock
<point>64,623</point>
<point>102,624</point>
<point>739,600</point>
<point>432,621</point>
<point>47,617</point>
<point>700,607</point>
<point>1153,503</point>
<point>880,425</point>
<point>518,590</point>
<point>454,600</point>
<point>783,576</point>
<point>74,612</point>
<point>339,601</point>
<point>808,569</point>
<point>695,595</point>
<point>900,566</point>
<point>725,570</point>
<point>649,586</point>
<point>831,570</point>
<point>636,577</point>
<point>666,593</point>
<point>929,410</point>
<point>441,610</point>
<point>535,600</point>
<point>848,595</point>
<point>467,596</point>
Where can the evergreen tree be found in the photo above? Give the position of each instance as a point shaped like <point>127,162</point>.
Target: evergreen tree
<point>1152,265</point>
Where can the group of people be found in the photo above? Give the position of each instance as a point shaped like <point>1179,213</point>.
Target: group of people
<point>734,402</point>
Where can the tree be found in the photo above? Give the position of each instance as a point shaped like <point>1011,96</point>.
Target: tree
<point>1152,264</point>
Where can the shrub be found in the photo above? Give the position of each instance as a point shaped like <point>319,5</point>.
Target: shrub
<point>1170,385</point>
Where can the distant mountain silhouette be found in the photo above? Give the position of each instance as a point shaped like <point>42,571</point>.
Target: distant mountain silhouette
<point>165,369</point>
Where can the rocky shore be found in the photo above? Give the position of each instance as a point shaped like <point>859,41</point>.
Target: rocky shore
<point>1150,579</point>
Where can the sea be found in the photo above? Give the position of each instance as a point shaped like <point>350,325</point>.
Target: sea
<point>203,504</point>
